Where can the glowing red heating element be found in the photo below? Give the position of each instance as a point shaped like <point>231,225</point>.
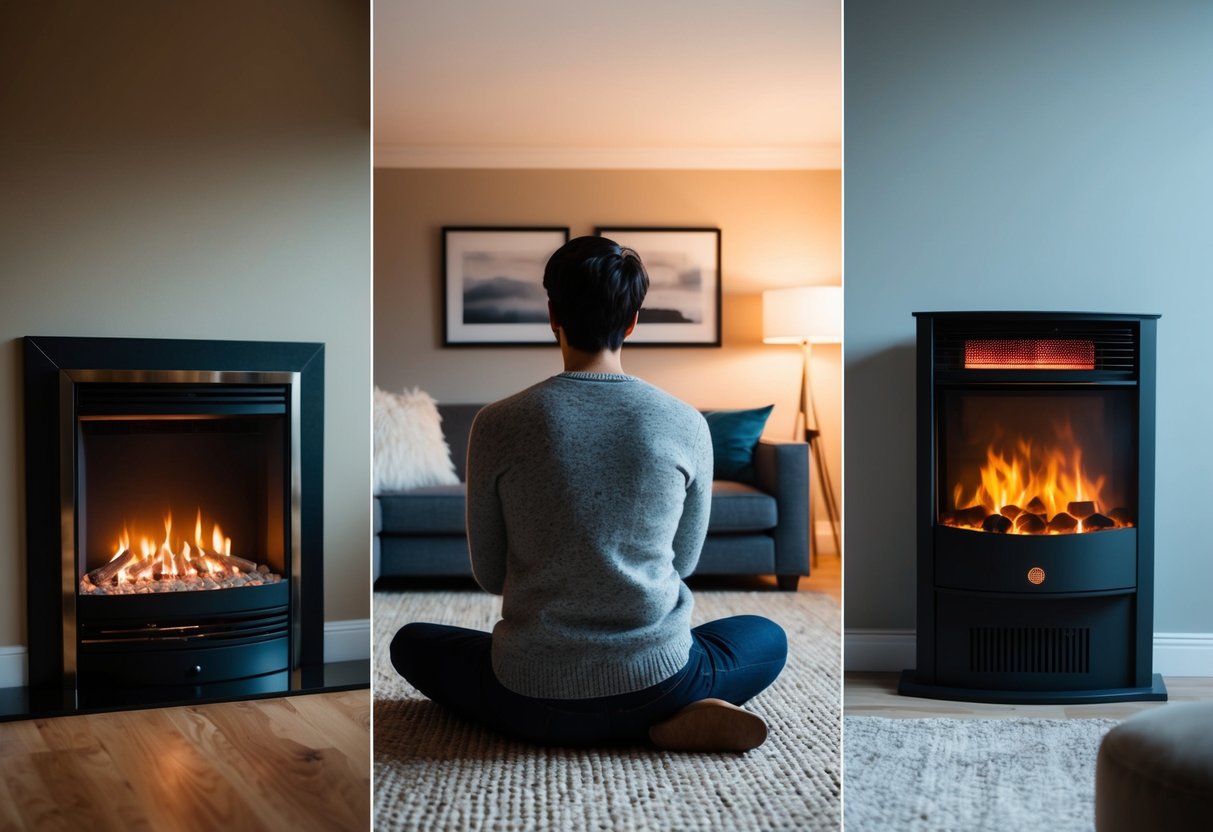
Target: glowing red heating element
<point>1029,354</point>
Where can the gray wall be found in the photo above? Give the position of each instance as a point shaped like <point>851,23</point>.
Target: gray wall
<point>190,170</point>
<point>1025,155</point>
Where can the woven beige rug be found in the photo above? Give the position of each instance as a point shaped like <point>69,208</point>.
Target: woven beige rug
<point>434,771</point>
<point>979,775</point>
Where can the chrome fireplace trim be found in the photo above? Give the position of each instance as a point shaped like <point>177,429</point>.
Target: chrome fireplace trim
<point>69,439</point>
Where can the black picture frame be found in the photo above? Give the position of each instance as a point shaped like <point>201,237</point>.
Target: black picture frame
<point>683,305</point>
<point>492,285</point>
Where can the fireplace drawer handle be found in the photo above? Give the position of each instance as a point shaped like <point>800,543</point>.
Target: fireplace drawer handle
<point>196,670</point>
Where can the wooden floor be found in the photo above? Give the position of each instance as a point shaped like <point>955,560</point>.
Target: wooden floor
<point>875,694</point>
<point>299,763</point>
<point>826,578</point>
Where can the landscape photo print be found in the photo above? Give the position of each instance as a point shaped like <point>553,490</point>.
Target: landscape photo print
<point>493,284</point>
<point>683,304</point>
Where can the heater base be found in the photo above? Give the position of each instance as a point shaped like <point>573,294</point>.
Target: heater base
<point>910,686</point>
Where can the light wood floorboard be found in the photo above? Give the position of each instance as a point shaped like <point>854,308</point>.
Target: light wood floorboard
<point>300,763</point>
<point>826,579</point>
<point>875,694</point>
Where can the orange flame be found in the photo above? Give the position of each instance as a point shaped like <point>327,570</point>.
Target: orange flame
<point>221,544</point>
<point>1047,480</point>
<point>124,543</point>
<point>169,556</point>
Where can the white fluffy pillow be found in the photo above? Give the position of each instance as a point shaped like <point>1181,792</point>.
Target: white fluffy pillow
<point>410,450</point>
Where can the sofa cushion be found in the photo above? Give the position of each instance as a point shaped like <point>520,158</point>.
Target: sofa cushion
<point>737,507</point>
<point>737,554</point>
<point>405,555</point>
<point>734,435</point>
<point>439,509</point>
<point>435,509</point>
<point>410,450</point>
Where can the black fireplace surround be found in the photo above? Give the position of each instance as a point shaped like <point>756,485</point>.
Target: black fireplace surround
<point>1035,507</point>
<point>129,436</point>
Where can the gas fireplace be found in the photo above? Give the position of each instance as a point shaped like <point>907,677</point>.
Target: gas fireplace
<point>1035,507</point>
<point>174,503</point>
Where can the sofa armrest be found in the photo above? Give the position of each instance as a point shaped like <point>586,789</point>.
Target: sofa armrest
<point>781,469</point>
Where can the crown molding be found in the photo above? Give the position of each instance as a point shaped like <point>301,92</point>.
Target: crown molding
<point>805,157</point>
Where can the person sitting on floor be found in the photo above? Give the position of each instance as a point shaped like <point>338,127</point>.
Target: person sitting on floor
<point>587,505</point>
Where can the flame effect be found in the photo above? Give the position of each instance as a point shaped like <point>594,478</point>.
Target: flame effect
<point>1031,477</point>
<point>170,557</point>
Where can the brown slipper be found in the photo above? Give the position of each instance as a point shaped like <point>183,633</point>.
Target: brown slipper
<point>710,725</point>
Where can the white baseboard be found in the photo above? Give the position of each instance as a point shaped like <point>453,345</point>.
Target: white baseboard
<point>343,641</point>
<point>1175,654</point>
<point>878,649</point>
<point>824,538</point>
<point>346,641</point>
<point>1183,654</point>
<point>13,671</point>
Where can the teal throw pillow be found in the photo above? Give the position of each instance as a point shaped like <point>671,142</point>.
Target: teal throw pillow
<point>734,435</point>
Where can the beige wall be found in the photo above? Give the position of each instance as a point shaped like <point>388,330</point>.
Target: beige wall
<point>778,228</point>
<point>190,170</point>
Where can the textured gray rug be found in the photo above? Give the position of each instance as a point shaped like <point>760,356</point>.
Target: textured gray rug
<point>434,771</point>
<point>971,774</point>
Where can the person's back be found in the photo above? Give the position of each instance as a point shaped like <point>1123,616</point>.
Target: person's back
<point>588,503</point>
<point>606,482</point>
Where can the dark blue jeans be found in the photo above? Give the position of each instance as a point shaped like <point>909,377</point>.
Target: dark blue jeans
<point>731,659</point>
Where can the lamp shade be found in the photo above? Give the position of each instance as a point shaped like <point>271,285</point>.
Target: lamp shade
<point>806,313</point>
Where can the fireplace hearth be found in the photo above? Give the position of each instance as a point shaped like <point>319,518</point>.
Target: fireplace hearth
<point>174,509</point>
<point>1035,507</point>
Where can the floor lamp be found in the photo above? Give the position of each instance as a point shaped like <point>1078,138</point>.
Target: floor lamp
<point>808,315</point>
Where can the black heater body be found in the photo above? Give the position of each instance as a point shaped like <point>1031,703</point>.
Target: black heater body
<point>1035,507</point>
<point>152,452</point>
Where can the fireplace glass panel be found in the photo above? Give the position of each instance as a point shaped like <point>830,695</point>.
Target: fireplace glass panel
<point>137,474</point>
<point>1037,460</point>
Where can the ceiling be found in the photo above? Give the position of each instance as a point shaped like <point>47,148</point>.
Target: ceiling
<point>545,83</point>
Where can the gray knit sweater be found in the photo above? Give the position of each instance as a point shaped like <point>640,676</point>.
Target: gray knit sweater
<point>588,500</point>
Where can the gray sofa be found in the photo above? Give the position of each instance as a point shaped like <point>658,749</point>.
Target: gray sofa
<point>754,530</point>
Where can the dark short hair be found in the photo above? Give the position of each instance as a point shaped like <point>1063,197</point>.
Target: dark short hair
<point>595,287</point>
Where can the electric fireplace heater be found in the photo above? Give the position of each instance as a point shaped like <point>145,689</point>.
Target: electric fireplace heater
<point>1035,507</point>
<point>173,499</point>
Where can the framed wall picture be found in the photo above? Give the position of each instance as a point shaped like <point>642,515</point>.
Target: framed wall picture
<point>493,285</point>
<point>683,304</point>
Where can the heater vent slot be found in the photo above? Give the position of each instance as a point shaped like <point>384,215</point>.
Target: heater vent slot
<point>102,399</point>
<point>1029,650</point>
<point>1101,346</point>
<point>173,632</point>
